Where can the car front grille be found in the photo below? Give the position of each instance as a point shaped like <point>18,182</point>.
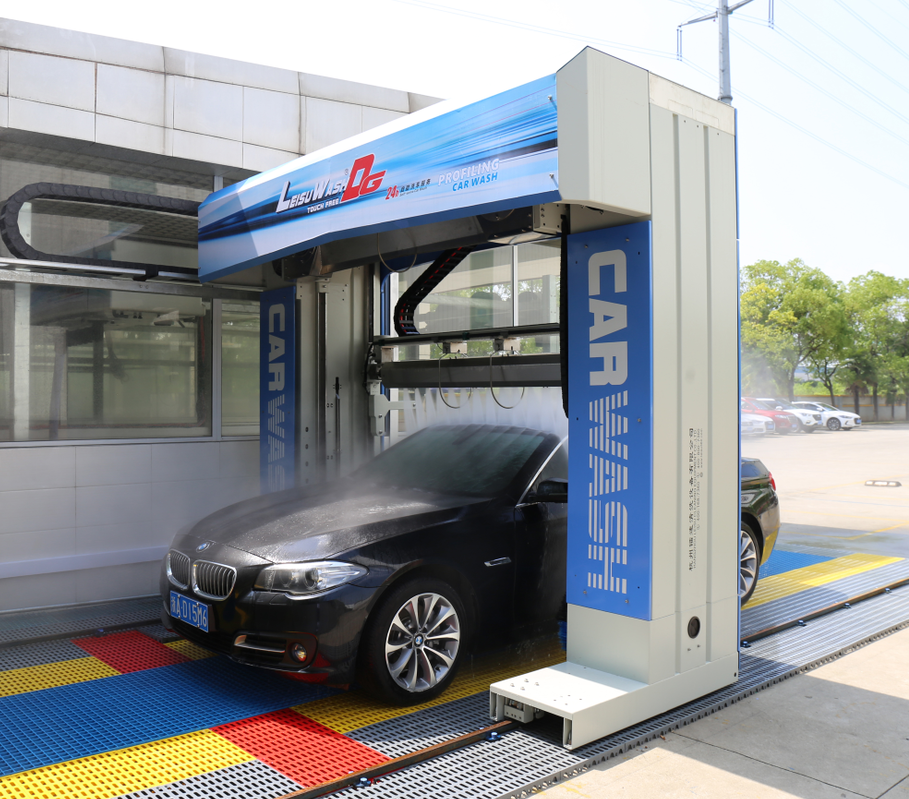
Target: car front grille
<point>178,568</point>
<point>213,580</point>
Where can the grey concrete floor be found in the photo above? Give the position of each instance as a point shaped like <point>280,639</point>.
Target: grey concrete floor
<point>840,731</point>
<point>820,478</point>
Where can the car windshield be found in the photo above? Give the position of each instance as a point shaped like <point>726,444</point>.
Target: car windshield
<point>786,406</point>
<point>826,407</point>
<point>760,405</point>
<point>477,461</point>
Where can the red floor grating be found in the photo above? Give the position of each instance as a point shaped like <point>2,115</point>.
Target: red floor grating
<point>130,651</point>
<point>299,748</point>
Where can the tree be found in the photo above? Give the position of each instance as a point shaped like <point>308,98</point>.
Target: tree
<point>877,307</point>
<point>792,316</point>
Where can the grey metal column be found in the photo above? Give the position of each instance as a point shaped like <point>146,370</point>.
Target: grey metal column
<point>21,366</point>
<point>215,368</point>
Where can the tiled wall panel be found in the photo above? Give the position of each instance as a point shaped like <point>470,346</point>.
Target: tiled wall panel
<point>48,79</point>
<point>54,120</point>
<point>131,94</point>
<point>271,119</point>
<point>174,103</point>
<point>101,504</point>
<point>328,122</point>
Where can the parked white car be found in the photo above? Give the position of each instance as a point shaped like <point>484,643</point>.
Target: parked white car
<point>755,425</point>
<point>834,418</point>
<point>809,419</point>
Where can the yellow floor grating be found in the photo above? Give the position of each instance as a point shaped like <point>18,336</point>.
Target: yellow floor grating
<point>792,582</point>
<point>190,650</point>
<point>353,710</point>
<point>52,675</point>
<point>115,773</point>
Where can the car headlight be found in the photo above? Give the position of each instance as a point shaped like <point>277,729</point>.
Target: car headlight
<point>304,579</point>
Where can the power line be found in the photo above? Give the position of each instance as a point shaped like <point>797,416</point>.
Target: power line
<point>831,95</point>
<point>842,75</point>
<point>536,28</point>
<point>871,27</point>
<point>847,48</point>
<point>887,13</point>
<point>807,132</point>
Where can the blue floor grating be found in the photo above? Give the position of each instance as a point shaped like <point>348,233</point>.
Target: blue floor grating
<point>130,709</point>
<point>782,561</point>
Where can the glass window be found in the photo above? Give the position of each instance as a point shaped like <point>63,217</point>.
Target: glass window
<point>84,363</point>
<point>239,368</point>
<point>476,295</point>
<point>538,291</point>
<point>479,294</point>
<point>102,232</point>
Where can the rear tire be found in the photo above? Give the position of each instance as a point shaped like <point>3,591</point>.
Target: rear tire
<point>413,643</point>
<point>749,561</point>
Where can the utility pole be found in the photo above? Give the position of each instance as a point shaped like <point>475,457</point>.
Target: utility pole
<point>721,15</point>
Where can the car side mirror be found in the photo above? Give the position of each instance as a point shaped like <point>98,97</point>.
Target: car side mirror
<point>555,490</point>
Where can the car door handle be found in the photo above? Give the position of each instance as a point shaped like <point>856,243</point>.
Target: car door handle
<point>498,562</point>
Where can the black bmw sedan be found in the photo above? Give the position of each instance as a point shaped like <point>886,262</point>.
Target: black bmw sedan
<point>388,575</point>
<point>452,536</point>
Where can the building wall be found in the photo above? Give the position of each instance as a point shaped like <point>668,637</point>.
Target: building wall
<point>169,103</point>
<point>90,520</point>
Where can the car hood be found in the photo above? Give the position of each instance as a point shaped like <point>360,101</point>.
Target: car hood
<point>320,522</point>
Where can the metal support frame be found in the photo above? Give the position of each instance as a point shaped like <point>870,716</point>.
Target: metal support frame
<point>502,371</point>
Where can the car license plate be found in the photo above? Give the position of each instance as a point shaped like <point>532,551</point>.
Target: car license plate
<point>189,610</point>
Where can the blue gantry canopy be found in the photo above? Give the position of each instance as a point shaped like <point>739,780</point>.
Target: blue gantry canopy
<point>443,163</point>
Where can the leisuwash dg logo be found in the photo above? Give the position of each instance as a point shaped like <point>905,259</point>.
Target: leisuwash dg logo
<point>361,181</point>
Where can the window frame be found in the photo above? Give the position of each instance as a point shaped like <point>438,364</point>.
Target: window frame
<point>11,275</point>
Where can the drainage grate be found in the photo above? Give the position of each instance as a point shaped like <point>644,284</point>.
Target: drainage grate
<point>406,734</point>
<point>130,651</point>
<point>159,632</point>
<point>253,780</point>
<point>805,602</point>
<point>298,747</point>
<point>38,654</point>
<point>22,626</point>
<point>135,708</point>
<point>526,760</point>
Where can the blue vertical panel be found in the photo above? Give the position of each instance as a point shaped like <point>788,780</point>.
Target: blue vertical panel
<point>610,384</point>
<point>277,393</point>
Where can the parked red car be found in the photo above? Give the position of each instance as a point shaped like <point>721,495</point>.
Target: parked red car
<point>784,422</point>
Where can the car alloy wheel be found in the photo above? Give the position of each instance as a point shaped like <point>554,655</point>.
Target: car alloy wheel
<point>412,648</point>
<point>833,424</point>
<point>749,562</point>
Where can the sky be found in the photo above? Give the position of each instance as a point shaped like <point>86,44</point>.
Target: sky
<point>822,94</point>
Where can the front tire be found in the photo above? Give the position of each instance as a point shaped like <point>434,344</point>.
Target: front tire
<point>749,562</point>
<point>414,642</point>
<point>833,424</point>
